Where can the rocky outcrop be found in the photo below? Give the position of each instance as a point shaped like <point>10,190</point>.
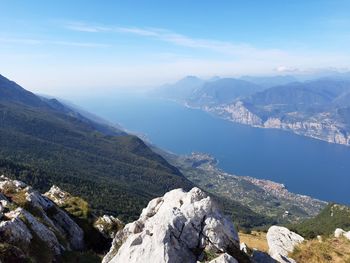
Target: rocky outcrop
<point>57,195</point>
<point>318,127</point>
<point>32,226</point>
<point>341,233</point>
<point>178,227</point>
<point>108,226</point>
<point>29,219</point>
<point>281,242</point>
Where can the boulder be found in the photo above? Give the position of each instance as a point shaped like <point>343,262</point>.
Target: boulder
<point>15,232</point>
<point>178,227</point>
<point>281,242</point>
<point>340,232</point>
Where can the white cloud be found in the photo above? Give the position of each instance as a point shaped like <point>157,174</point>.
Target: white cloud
<point>78,26</point>
<point>224,47</point>
<point>26,41</point>
<point>285,69</point>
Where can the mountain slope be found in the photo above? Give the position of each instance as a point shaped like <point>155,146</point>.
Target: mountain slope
<point>331,217</point>
<point>270,81</point>
<point>180,90</point>
<point>222,91</point>
<point>301,96</point>
<point>116,173</point>
<point>12,92</point>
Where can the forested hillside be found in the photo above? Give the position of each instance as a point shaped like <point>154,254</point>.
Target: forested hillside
<point>45,144</point>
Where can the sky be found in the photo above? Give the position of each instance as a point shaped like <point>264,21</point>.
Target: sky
<point>61,47</point>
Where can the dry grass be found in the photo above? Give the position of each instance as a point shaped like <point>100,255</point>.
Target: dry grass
<point>255,240</point>
<point>332,249</point>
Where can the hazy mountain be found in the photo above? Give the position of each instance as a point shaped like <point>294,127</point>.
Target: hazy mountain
<point>312,93</point>
<point>97,122</point>
<point>303,98</point>
<point>222,91</point>
<point>270,81</point>
<point>181,89</point>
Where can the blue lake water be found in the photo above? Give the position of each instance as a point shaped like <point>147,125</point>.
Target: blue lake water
<point>304,165</point>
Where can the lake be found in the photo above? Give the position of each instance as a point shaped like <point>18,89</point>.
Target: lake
<point>304,165</point>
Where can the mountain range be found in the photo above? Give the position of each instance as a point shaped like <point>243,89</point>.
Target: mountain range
<point>318,108</point>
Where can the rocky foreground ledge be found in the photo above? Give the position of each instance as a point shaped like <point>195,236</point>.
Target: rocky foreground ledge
<point>33,226</point>
<point>178,227</point>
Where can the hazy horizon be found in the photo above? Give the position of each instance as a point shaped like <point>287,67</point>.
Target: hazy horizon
<point>70,47</point>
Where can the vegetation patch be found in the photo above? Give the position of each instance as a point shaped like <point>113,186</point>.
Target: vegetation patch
<point>77,207</point>
<point>331,217</point>
<point>18,197</point>
<point>209,255</point>
<point>80,212</point>
<point>331,249</point>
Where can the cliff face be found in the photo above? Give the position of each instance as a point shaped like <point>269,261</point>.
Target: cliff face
<point>33,226</point>
<point>320,126</point>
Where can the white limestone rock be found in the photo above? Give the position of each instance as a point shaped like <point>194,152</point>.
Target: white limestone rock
<point>341,233</point>
<point>243,247</point>
<point>70,229</point>
<point>57,195</point>
<point>15,232</point>
<point>41,218</point>
<point>281,242</point>
<point>61,219</point>
<point>177,227</point>
<point>42,231</point>
<point>224,258</point>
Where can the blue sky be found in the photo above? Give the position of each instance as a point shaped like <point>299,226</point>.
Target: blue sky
<point>64,46</point>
